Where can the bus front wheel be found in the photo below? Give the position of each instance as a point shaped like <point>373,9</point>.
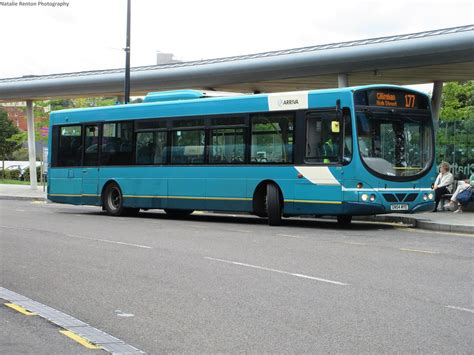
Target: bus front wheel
<point>273,204</point>
<point>113,202</point>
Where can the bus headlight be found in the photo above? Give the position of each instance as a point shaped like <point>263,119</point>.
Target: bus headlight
<point>427,197</point>
<point>372,198</point>
<point>364,197</point>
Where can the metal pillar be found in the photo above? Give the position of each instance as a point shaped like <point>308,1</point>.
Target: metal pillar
<point>31,143</point>
<point>127,57</point>
<point>436,102</point>
<point>342,80</point>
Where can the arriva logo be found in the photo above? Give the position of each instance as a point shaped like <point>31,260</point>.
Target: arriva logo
<point>282,102</point>
<point>288,101</point>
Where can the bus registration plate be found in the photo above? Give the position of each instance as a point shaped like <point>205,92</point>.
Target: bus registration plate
<point>399,207</point>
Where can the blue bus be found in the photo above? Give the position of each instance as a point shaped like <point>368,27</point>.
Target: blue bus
<point>339,152</point>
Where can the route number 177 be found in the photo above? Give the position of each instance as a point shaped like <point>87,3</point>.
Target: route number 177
<point>409,101</point>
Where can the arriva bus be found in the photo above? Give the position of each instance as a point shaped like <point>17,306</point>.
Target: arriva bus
<point>340,152</point>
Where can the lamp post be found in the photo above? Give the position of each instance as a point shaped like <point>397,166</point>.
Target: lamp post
<point>127,57</point>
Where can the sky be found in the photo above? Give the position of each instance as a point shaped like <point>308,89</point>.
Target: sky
<point>90,34</point>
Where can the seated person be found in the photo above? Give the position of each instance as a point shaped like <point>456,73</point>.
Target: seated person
<point>443,184</point>
<point>454,204</point>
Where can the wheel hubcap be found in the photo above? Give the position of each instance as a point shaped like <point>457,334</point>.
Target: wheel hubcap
<point>115,199</point>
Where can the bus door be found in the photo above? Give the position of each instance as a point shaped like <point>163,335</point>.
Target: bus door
<point>90,168</point>
<point>320,185</point>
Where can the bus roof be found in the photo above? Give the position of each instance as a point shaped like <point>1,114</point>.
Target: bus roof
<point>196,102</point>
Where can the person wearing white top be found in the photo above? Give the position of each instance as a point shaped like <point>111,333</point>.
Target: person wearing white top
<point>443,184</point>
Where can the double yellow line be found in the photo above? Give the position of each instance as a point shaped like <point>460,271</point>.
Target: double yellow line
<point>84,342</point>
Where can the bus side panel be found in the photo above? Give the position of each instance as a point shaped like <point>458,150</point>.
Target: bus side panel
<point>65,185</point>
<point>225,189</point>
<point>186,187</point>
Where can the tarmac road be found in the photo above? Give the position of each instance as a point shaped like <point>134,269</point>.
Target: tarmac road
<point>217,283</point>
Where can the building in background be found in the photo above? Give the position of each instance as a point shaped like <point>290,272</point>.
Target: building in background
<point>16,113</point>
<point>165,58</point>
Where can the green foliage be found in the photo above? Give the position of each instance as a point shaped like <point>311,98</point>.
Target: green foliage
<point>20,154</point>
<point>13,174</point>
<point>62,104</point>
<point>7,130</point>
<point>457,102</point>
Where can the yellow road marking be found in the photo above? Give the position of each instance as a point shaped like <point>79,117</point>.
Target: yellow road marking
<point>20,309</point>
<point>84,342</point>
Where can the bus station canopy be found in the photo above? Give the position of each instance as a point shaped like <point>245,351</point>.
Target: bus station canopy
<point>439,55</point>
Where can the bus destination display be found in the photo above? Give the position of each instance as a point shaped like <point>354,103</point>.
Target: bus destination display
<point>396,99</point>
<point>388,98</point>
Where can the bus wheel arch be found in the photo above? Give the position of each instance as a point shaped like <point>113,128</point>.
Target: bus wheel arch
<point>268,201</point>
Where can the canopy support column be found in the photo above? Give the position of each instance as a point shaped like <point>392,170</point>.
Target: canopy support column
<point>436,102</point>
<point>342,80</point>
<point>31,144</point>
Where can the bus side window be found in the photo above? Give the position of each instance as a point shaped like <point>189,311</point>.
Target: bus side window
<point>227,146</point>
<point>272,138</point>
<point>151,148</point>
<point>187,147</point>
<point>117,146</point>
<point>70,146</point>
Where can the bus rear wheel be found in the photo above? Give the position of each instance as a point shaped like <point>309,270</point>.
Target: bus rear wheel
<point>113,202</point>
<point>344,220</point>
<point>175,213</point>
<point>273,204</point>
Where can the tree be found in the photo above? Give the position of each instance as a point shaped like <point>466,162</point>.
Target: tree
<point>7,144</point>
<point>455,137</point>
<point>457,101</point>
